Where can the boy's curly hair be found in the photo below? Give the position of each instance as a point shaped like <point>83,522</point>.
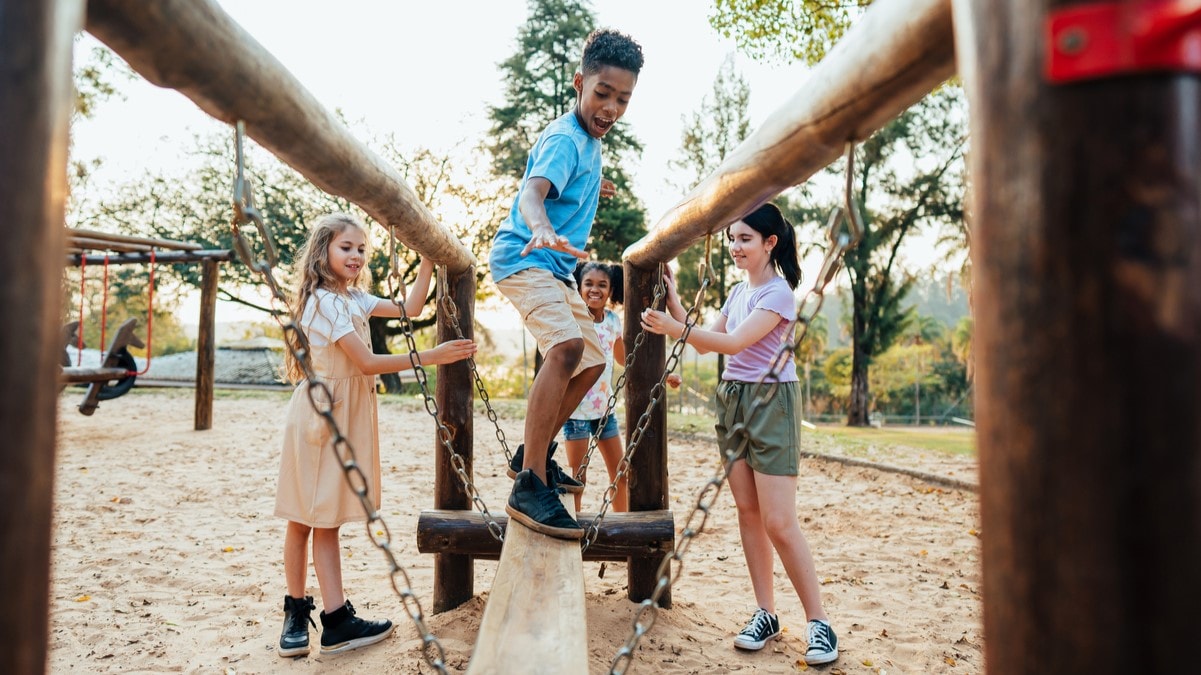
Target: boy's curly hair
<point>607,47</point>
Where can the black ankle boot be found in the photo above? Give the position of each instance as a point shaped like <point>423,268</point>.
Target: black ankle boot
<point>342,631</point>
<point>294,640</point>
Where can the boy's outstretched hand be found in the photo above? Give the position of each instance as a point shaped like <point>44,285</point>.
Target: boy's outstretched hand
<point>674,380</point>
<point>450,352</point>
<point>546,237</point>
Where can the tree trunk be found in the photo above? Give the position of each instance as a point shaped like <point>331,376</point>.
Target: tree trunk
<point>857,408</point>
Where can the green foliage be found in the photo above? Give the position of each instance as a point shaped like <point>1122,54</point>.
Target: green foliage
<point>538,90</point>
<point>909,176</point>
<point>711,134</point>
<point>785,30</point>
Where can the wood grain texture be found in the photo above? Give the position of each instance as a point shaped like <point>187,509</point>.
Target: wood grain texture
<point>535,620</point>
<point>892,57</point>
<point>193,46</point>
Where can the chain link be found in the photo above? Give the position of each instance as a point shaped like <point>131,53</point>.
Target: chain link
<point>431,404</point>
<point>840,240</point>
<point>452,312</point>
<point>639,338</point>
<point>656,394</point>
<point>321,400</point>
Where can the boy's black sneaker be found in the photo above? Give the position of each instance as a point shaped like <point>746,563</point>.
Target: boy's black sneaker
<point>823,643</point>
<point>537,506</point>
<point>294,640</point>
<point>762,627</point>
<point>555,475</point>
<point>343,631</point>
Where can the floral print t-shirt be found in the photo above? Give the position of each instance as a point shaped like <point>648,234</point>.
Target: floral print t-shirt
<point>597,399</point>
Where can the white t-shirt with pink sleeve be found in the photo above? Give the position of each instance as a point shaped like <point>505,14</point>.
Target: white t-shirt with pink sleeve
<point>753,362</point>
<point>596,401</point>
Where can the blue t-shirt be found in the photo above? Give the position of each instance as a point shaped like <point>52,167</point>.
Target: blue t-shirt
<point>754,362</point>
<point>570,159</point>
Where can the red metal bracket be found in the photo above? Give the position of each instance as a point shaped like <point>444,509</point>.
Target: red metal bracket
<point>1086,42</point>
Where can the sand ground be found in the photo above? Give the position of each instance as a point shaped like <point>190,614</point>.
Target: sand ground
<point>166,556</point>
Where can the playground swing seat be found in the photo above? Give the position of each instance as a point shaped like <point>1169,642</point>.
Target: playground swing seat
<point>118,371</point>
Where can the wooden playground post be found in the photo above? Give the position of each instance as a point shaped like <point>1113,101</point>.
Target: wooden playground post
<point>454,574</point>
<point>35,67</point>
<point>206,348</point>
<point>648,470</point>
<point>1087,295</point>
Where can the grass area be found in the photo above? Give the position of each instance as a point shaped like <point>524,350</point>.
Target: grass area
<point>940,439</point>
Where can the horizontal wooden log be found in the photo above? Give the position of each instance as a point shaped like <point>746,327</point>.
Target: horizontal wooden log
<point>897,53</point>
<point>75,375</point>
<point>97,235</point>
<point>87,243</point>
<point>535,620</point>
<point>165,257</point>
<point>193,46</point>
<point>639,534</point>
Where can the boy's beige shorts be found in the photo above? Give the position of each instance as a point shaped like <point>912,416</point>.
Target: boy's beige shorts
<point>553,312</point>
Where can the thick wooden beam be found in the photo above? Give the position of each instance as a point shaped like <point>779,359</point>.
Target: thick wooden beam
<point>648,468</point>
<point>73,375</point>
<point>35,104</point>
<point>193,46</point>
<point>454,574</point>
<point>206,345</point>
<point>892,57</point>
<point>165,257</point>
<point>1086,245</point>
<point>109,237</point>
<point>640,534</point>
<point>535,620</point>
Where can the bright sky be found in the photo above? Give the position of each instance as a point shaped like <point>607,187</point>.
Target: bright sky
<point>427,71</point>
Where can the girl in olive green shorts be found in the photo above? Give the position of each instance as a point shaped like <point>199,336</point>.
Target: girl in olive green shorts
<point>763,477</point>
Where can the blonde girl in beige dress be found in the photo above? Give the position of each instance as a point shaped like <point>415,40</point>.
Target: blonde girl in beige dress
<point>332,310</point>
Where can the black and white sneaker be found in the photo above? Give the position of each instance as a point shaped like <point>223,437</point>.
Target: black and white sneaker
<point>823,643</point>
<point>556,477</point>
<point>294,639</point>
<point>343,631</point>
<point>762,627</point>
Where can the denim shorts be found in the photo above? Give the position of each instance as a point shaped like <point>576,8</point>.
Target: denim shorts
<point>576,430</point>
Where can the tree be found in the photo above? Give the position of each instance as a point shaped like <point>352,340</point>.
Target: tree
<point>538,90</point>
<point>786,30</point>
<point>712,133</point>
<point>909,175</point>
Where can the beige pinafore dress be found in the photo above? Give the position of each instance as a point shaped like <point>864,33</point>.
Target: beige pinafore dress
<point>312,488</point>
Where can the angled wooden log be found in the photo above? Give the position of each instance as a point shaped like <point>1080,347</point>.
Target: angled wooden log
<point>535,621</point>
<point>892,57</point>
<point>193,46</point>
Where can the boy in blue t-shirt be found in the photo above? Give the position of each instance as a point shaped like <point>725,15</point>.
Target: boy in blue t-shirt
<point>533,257</point>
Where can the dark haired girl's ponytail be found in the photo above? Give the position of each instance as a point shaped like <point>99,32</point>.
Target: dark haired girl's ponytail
<point>767,221</point>
<point>785,256</point>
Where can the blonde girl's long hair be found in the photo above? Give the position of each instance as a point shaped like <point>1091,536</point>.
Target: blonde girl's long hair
<point>312,268</point>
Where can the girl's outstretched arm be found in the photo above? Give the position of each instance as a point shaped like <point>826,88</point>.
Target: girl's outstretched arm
<point>377,364</point>
<point>414,300</point>
<point>716,339</point>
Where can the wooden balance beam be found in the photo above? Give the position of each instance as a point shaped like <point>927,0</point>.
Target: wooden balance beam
<point>534,621</point>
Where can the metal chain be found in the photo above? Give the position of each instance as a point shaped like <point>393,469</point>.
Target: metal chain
<point>594,438</point>
<point>840,240</point>
<point>452,312</point>
<point>321,400</point>
<point>669,366</point>
<point>431,404</point>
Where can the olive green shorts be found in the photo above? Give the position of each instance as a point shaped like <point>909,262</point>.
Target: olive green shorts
<point>774,432</point>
